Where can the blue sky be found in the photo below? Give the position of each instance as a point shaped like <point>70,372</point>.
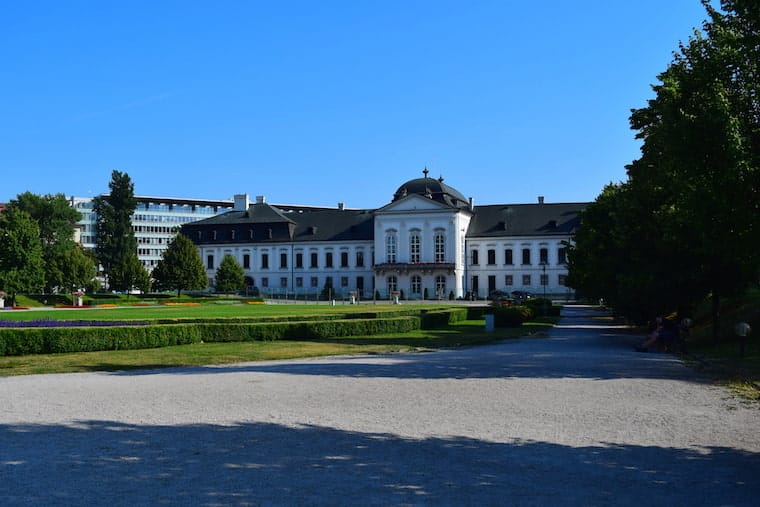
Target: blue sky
<point>326,102</point>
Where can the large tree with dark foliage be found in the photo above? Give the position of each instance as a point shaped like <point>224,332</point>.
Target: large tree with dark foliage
<point>21,261</point>
<point>56,220</point>
<point>180,267</point>
<point>115,238</point>
<point>694,194</point>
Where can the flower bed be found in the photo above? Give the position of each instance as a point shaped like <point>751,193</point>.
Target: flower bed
<point>70,323</point>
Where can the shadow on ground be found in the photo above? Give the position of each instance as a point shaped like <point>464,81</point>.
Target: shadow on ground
<point>107,463</point>
<point>582,346</point>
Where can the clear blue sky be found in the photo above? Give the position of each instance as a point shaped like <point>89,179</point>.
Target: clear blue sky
<point>320,102</point>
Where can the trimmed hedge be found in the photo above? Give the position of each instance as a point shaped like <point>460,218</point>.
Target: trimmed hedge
<point>22,341</point>
<point>512,316</point>
<point>436,319</point>
<point>541,305</point>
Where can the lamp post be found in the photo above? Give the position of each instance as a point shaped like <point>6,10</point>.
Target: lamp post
<point>544,282</point>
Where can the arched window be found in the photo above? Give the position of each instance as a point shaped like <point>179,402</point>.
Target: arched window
<point>440,286</point>
<point>414,247</point>
<point>416,284</point>
<point>391,246</point>
<point>440,247</point>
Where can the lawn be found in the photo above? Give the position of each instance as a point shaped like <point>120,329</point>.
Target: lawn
<point>209,310</point>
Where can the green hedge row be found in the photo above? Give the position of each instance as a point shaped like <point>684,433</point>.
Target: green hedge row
<point>436,319</point>
<point>541,306</point>
<point>512,316</point>
<point>22,341</point>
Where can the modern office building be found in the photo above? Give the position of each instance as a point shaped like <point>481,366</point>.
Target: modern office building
<point>155,221</point>
<point>428,242</point>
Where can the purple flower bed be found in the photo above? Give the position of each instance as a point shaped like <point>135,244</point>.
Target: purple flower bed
<point>70,323</point>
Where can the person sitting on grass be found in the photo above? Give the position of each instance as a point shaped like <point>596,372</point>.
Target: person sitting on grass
<point>665,334</point>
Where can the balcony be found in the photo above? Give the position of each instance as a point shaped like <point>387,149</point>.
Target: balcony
<point>414,267</point>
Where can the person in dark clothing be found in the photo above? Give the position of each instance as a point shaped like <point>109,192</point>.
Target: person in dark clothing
<point>665,334</point>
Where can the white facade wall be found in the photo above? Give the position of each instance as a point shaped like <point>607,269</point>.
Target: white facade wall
<point>555,267</point>
<point>416,215</point>
<point>265,269</point>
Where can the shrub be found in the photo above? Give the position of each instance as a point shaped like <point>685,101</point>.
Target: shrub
<point>436,319</point>
<point>542,306</point>
<point>511,316</point>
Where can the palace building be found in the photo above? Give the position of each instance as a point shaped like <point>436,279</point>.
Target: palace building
<point>429,242</point>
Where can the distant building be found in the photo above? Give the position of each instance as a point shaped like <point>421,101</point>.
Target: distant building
<point>155,221</point>
<point>429,241</point>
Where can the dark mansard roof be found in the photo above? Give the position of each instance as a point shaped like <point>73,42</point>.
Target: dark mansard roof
<point>434,189</point>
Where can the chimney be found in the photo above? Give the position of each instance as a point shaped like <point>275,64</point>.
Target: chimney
<point>260,199</point>
<point>241,202</point>
<point>540,199</point>
<point>472,203</point>
<point>341,206</point>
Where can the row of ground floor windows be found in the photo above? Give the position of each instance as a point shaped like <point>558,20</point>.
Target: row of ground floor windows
<point>391,283</point>
<point>509,281</point>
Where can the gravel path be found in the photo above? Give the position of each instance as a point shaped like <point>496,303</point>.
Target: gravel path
<point>575,419</point>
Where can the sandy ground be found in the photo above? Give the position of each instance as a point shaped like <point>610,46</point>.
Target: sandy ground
<point>577,418</point>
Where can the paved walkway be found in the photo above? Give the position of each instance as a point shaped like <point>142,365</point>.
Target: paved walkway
<point>578,418</point>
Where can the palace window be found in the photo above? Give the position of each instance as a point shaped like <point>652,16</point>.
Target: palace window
<point>416,284</point>
<point>508,256</point>
<point>526,255</point>
<point>562,255</point>
<point>440,286</point>
<point>414,247</point>
<point>440,247</point>
<point>543,256</point>
<point>390,247</point>
<point>491,257</point>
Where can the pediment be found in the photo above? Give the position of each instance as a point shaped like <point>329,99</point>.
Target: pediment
<point>413,202</point>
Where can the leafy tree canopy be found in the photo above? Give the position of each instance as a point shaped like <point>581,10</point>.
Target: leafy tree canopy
<point>21,262</point>
<point>180,267</point>
<point>230,276</point>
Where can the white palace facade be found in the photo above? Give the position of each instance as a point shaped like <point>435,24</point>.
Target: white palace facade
<point>429,242</point>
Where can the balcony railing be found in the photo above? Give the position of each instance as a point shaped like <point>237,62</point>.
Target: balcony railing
<point>408,267</point>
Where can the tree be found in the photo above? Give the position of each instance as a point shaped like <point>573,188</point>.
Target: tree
<point>78,269</point>
<point>115,238</point>
<point>130,274</point>
<point>180,267</point>
<point>230,276</point>
<point>685,224</point>
<point>700,153</point>
<point>56,220</point>
<point>21,262</point>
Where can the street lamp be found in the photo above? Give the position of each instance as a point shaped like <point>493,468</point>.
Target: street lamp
<point>544,282</point>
